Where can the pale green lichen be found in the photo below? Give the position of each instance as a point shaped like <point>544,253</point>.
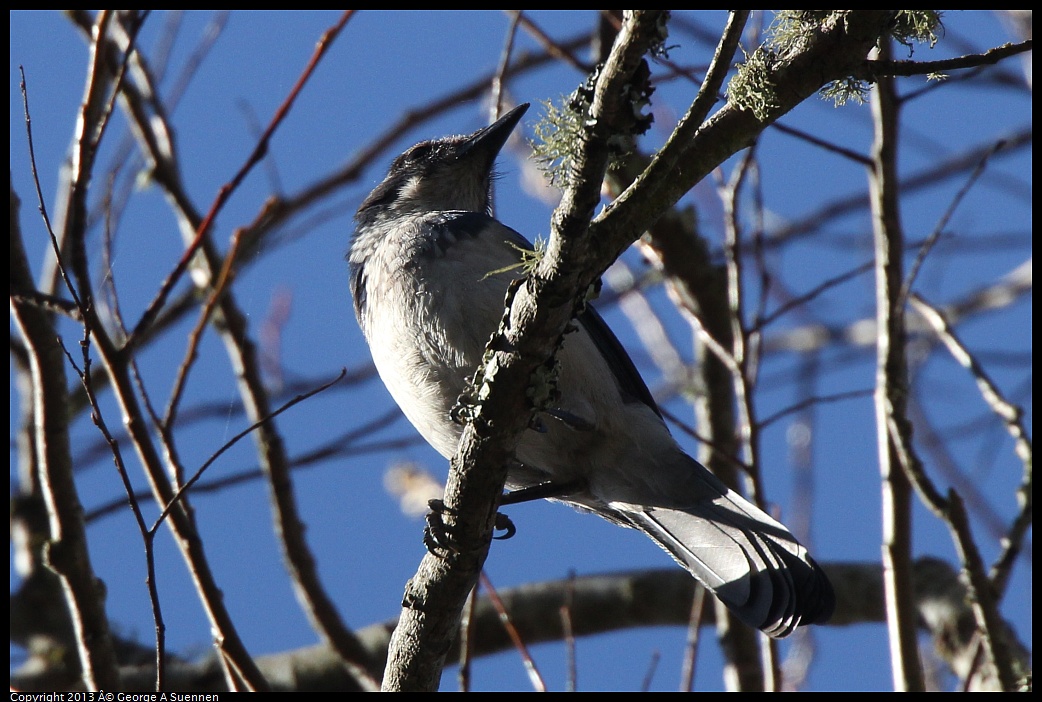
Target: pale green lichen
<point>557,138</point>
<point>529,258</point>
<point>752,88</point>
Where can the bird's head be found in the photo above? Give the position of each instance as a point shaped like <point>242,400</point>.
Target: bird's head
<point>453,173</point>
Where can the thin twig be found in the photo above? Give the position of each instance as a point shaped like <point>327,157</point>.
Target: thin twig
<point>935,235</point>
<point>802,300</point>
<point>930,176</point>
<point>568,636</point>
<point>235,439</point>
<point>879,68</point>
<point>562,51</point>
<point>228,188</point>
<point>86,379</point>
<point>496,106</point>
<point>466,629</point>
<point>55,246</point>
<point>504,617</point>
<point>1012,417</point>
<point>829,146</point>
<point>67,553</point>
<point>810,402</point>
<point>687,673</point>
<point>195,336</point>
<point>147,535</point>
<point>649,674</point>
<point>50,303</point>
<point>743,379</point>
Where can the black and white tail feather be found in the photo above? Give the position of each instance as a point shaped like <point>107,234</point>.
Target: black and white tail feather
<point>748,560</point>
<point>429,269</point>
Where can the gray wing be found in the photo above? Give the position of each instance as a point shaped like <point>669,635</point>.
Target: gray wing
<point>627,377</point>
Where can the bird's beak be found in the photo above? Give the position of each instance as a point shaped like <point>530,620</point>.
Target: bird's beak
<point>488,141</point>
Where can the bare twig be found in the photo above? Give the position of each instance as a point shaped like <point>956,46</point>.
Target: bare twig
<point>929,176</point>
<point>1012,287</point>
<point>235,439</point>
<point>231,317</point>
<point>67,553</point>
<point>687,674</point>
<point>649,674</point>
<point>504,617</point>
<point>979,590</point>
<point>810,402</point>
<point>228,188</point>
<point>496,106</point>
<point>813,293</point>
<point>892,388</point>
<point>1011,416</point>
<point>558,50</point>
<point>568,635</point>
<point>220,286</point>
<point>232,325</point>
<point>932,239</point>
<point>990,57</point>
<point>752,657</point>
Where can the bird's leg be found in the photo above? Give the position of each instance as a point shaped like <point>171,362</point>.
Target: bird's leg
<point>533,492</point>
<point>435,533</point>
<point>572,421</point>
<point>541,491</point>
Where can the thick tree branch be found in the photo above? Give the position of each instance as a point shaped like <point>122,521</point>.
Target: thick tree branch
<point>694,150</point>
<point>528,339</point>
<point>66,553</point>
<point>617,601</point>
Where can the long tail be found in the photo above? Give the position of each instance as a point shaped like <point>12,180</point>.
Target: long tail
<point>748,560</point>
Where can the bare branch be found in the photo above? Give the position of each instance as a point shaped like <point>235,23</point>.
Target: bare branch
<point>435,596</point>
<point>1011,416</point>
<point>538,684</point>
<point>67,553</point>
<point>876,69</point>
<point>226,191</point>
<point>892,388</point>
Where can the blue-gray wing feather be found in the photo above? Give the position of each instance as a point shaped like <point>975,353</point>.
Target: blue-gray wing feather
<point>633,387</point>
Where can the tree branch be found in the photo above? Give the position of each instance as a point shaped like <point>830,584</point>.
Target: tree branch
<point>610,602</point>
<point>877,69</point>
<point>66,553</point>
<point>435,596</point>
<point>892,388</point>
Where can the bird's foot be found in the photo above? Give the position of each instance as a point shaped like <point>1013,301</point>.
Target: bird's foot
<point>436,532</point>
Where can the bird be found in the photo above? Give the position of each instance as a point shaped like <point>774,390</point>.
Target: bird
<point>429,268</point>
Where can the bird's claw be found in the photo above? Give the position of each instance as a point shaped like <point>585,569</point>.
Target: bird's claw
<point>436,533</point>
<point>504,524</point>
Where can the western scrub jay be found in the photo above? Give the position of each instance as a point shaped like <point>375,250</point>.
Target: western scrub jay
<point>429,270</point>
